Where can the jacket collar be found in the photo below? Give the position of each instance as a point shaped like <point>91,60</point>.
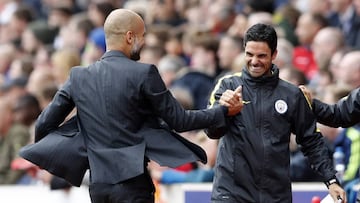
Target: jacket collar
<point>113,53</point>
<point>263,81</point>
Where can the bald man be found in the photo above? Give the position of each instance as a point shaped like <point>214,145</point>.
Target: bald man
<point>115,97</point>
<point>326,42</point>
<point>349,69</point>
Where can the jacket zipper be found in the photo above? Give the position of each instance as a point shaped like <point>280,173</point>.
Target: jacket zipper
<point>261,114</point>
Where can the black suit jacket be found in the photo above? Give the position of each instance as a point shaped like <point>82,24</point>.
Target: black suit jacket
<point>114,98</point>
<point>63,151</point>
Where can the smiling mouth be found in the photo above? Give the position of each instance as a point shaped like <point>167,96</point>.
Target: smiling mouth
<point>256,68</point>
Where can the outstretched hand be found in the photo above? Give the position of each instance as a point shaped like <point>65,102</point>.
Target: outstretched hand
<point>233,100</point>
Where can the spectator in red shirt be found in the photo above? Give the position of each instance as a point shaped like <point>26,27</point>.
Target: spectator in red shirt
<point>307,27</point>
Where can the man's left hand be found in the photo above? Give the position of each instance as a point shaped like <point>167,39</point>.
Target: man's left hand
<point>337,192</point>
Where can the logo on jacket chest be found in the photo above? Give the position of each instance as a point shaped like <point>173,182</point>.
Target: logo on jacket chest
<point>281,106</point>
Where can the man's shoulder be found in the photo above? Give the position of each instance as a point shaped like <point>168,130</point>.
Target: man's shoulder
<point>291,89</point>
<point>76,69</point>
<point>77,72</point>
<point>288,85</point>
<point>144,65</point>
<point>230,78</point>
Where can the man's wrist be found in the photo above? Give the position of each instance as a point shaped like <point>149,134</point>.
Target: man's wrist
<point>331,181</point>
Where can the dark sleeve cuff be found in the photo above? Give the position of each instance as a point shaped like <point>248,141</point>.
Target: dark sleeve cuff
<point>225,110</point>
<point>331,181</point>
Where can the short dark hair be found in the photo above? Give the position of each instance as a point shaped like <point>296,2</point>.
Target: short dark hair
<point>262,33</point>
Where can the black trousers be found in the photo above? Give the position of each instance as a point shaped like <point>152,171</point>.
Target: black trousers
<point>139,189</point>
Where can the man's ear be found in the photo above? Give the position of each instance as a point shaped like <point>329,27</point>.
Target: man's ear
<point>129,37</point>
<point>274,55</point>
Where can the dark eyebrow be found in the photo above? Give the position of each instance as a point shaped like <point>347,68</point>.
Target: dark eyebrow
<point>248,53</point>
<point>262,55</point>
<point>259,55</point>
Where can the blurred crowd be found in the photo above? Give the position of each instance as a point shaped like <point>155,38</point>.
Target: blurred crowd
<point>193,43</point>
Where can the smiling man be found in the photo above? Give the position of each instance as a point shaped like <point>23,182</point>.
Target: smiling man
<point>253,157</point>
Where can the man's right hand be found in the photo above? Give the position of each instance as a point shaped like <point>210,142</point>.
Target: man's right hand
<point>233,100</point>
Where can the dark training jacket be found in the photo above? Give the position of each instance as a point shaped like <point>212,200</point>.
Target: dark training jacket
<point>253,156</point>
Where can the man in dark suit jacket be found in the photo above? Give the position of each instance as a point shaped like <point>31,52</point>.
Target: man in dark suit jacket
<point>115,97</point>
<point>345,113</point>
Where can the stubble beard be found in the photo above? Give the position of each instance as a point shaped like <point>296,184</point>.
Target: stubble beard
<point>135,52</point>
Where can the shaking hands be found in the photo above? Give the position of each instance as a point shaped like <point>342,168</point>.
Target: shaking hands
<point>233,100</point>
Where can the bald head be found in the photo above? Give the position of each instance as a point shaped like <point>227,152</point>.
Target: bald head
<point>330,35</point>
<point>326,42</point>
<point>118,23</point>
<point>350,69</point>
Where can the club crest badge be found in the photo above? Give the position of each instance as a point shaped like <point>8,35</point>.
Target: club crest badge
<point>281,106</point>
